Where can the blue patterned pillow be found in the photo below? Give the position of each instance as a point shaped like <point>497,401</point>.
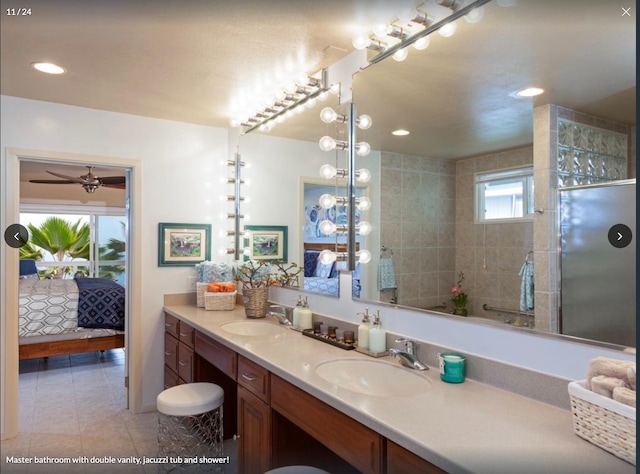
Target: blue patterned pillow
<point>323,270</point>
<point>310,262</point>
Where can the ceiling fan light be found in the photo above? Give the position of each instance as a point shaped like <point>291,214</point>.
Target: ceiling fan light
<point>530,92</point>
<point>48,68</point>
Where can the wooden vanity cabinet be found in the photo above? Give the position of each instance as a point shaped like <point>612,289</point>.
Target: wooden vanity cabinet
<point>402,461</point>
<point>178,352</point>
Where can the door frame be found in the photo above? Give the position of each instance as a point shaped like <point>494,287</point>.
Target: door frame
<point>9,337</point>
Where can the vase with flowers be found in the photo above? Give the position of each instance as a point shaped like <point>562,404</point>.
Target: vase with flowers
<point>459,297</point>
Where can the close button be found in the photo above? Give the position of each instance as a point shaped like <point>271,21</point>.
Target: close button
<point>620,236</point>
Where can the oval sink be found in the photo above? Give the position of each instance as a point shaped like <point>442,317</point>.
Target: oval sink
<point>252,328</point>
<point>373,377</point>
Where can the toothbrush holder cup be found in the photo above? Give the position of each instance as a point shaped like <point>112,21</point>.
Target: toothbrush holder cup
<point>452,367</point>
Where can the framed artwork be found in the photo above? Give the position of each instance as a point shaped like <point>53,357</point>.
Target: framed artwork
<point>266,242</point>
<point>183,244</point>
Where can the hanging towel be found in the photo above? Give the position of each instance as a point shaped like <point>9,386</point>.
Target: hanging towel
<point>526,287</point>
<point>386,275</point>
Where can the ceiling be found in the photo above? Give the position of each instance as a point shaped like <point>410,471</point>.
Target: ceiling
<point>193,61</point>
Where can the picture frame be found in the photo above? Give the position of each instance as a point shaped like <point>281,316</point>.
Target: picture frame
<point>266,242</point>
<point>183,245</point>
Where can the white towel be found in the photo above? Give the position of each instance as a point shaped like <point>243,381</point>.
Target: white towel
<point>386,275</point>
<point>526,287</point>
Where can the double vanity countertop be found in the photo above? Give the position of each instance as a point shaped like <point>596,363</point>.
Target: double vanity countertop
<point>462,428</point>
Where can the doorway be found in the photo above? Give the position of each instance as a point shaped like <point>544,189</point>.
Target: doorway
<point>131,168</point>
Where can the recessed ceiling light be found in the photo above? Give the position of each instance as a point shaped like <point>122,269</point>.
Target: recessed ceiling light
<point>400,133</point>
<point>48,68</point>
<point>529,92</point>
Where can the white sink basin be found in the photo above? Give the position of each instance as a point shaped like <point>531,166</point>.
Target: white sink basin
<point>373,377</point>
<point>252,328</point>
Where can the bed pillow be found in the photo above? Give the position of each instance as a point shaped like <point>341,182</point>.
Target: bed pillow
<point>323,270</point>
<point>310,262</point>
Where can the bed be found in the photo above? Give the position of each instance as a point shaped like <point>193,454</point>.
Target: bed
<point>323,278</point>
<point>59,317</point>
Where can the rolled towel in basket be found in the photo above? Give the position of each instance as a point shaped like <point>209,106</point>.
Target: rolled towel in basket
<point>609,367</point>
<point>631,375</point>
<point>603,385</point>
<point>625,395</point>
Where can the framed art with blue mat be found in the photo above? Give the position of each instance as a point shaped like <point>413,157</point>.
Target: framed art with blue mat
<point>265,242</point>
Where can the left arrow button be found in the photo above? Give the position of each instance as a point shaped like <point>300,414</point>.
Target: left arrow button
<point>16,236</point>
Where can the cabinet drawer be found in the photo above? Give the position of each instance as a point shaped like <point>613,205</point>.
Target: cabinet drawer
<point>352,441</point>
<point>216,354</point>
<point>186,334</point>
<point>254,378</point>
<point>170,378</point>
<point>171,325</point>
<point>171,352</point>
<point>185,363</point>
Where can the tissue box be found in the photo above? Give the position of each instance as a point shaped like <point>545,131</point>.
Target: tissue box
<point>607,423</point>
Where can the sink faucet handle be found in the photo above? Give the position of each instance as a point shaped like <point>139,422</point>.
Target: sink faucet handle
<point>409,345</point>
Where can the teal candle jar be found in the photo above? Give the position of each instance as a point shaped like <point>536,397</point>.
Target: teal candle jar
<point>452,367</point>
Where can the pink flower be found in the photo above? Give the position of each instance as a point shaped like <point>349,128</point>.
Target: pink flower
<point>456,290</point>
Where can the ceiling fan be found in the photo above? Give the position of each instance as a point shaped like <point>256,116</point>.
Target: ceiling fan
<point>90,182</point>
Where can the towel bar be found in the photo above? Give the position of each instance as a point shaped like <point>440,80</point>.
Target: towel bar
<point>486,307</point>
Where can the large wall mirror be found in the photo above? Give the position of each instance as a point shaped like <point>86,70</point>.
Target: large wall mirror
<point>458,99</point>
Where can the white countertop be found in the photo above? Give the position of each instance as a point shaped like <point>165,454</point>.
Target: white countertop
<point>462,428</point>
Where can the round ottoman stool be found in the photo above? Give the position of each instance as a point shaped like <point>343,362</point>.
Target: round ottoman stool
<point>190,427</point>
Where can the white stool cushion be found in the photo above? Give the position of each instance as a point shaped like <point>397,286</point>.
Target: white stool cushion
<point>190,399</point>
<point>296,470</point>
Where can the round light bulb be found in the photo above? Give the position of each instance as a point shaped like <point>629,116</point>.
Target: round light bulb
<point>246,251</point>
<point>328,171</point>
<point>291,87</point>
<point>327,143</point>
<point>475,15</point>
<point>364,256</point>
<point>327,256</point>
<point>327,201</point>
<point>364,175</point>
<point>422,43</point>
<point>381,29</point>
<point>323,96</point>
<point>234,122</point>
<point>222,251</point>
<point>360,40</point>
<point>364,203</point>
<point>400,55</point>
<point>280,118</point>
<point>328,115</point>
<point>301,79</point>
<point>364,122</point>
<point>364,228</point>
<point>363,149</point>
<point>263,127</point>
<point>310,103</point>
<point>327,227</point>
<point>448,30</point>
<point>334,88</point>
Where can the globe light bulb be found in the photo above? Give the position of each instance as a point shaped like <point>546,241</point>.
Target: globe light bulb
<point>222,251</point>
<point>364,203</point>
<point>364,228</point>
<point>263,127</point>
<point>301,79</point>
<point>447,30</point>
<point>364,256</point>
<point>310,103</point>
<point>334,88</point>
<point>328,115</point>
<point>363,175</point>
<point>328,171</point>
<point>327,227</point>
<point>327,201</point>
<point>381,29</point>
<point>327,143</point>
<point>323,96</point>
<point>422,43</point>
<point>246,251</point>
<point>364,122</point>
<point>475,15</point>
<point>363,148</point>
<point>234,122</point>
<point>400,55</point>
<point>360,40</point>
<point>327,256</point>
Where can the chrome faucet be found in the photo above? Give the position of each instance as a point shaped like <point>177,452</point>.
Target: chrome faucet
<point>408,356</point>
<point>282,315</point>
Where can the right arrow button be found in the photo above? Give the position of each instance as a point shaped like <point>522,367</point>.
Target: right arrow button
<point>620,236</point>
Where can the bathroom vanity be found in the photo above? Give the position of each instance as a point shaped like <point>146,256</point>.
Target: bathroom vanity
<point>287,398</point>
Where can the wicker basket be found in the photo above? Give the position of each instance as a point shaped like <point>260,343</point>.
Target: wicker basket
<point>219,301</point>
<point>201,288</point>
<point>607,423</point>
<point>256,302</point>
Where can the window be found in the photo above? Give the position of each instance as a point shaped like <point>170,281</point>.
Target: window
<point>504,195</point>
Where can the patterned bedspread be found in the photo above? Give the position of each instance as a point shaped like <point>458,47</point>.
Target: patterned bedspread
<point>48,307</point>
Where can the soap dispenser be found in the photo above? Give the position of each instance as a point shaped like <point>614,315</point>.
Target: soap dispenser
<point>363,330</point>
<point>306,319</point>
<point>377,336</point>
<point>296,312</point>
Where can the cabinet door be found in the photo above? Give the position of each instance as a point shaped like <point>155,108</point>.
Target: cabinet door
<point>254,427</point>
<point>186,334</point>
<point>402,461</point>
<point>171,352</point>
<point>171,325</point>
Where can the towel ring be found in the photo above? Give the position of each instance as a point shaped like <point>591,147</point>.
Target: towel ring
<point>384,249</point>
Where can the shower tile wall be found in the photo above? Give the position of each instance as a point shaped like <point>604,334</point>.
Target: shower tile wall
<point>490,255</point>
<point>417,219</point>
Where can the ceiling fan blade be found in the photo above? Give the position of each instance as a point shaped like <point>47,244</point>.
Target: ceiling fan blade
<point>115,185</point>
<point>73,179</point>
<point>50,181</point>
<point>113,180</point>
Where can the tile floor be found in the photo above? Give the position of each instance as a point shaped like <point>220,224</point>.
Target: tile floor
<point>74,406</point>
